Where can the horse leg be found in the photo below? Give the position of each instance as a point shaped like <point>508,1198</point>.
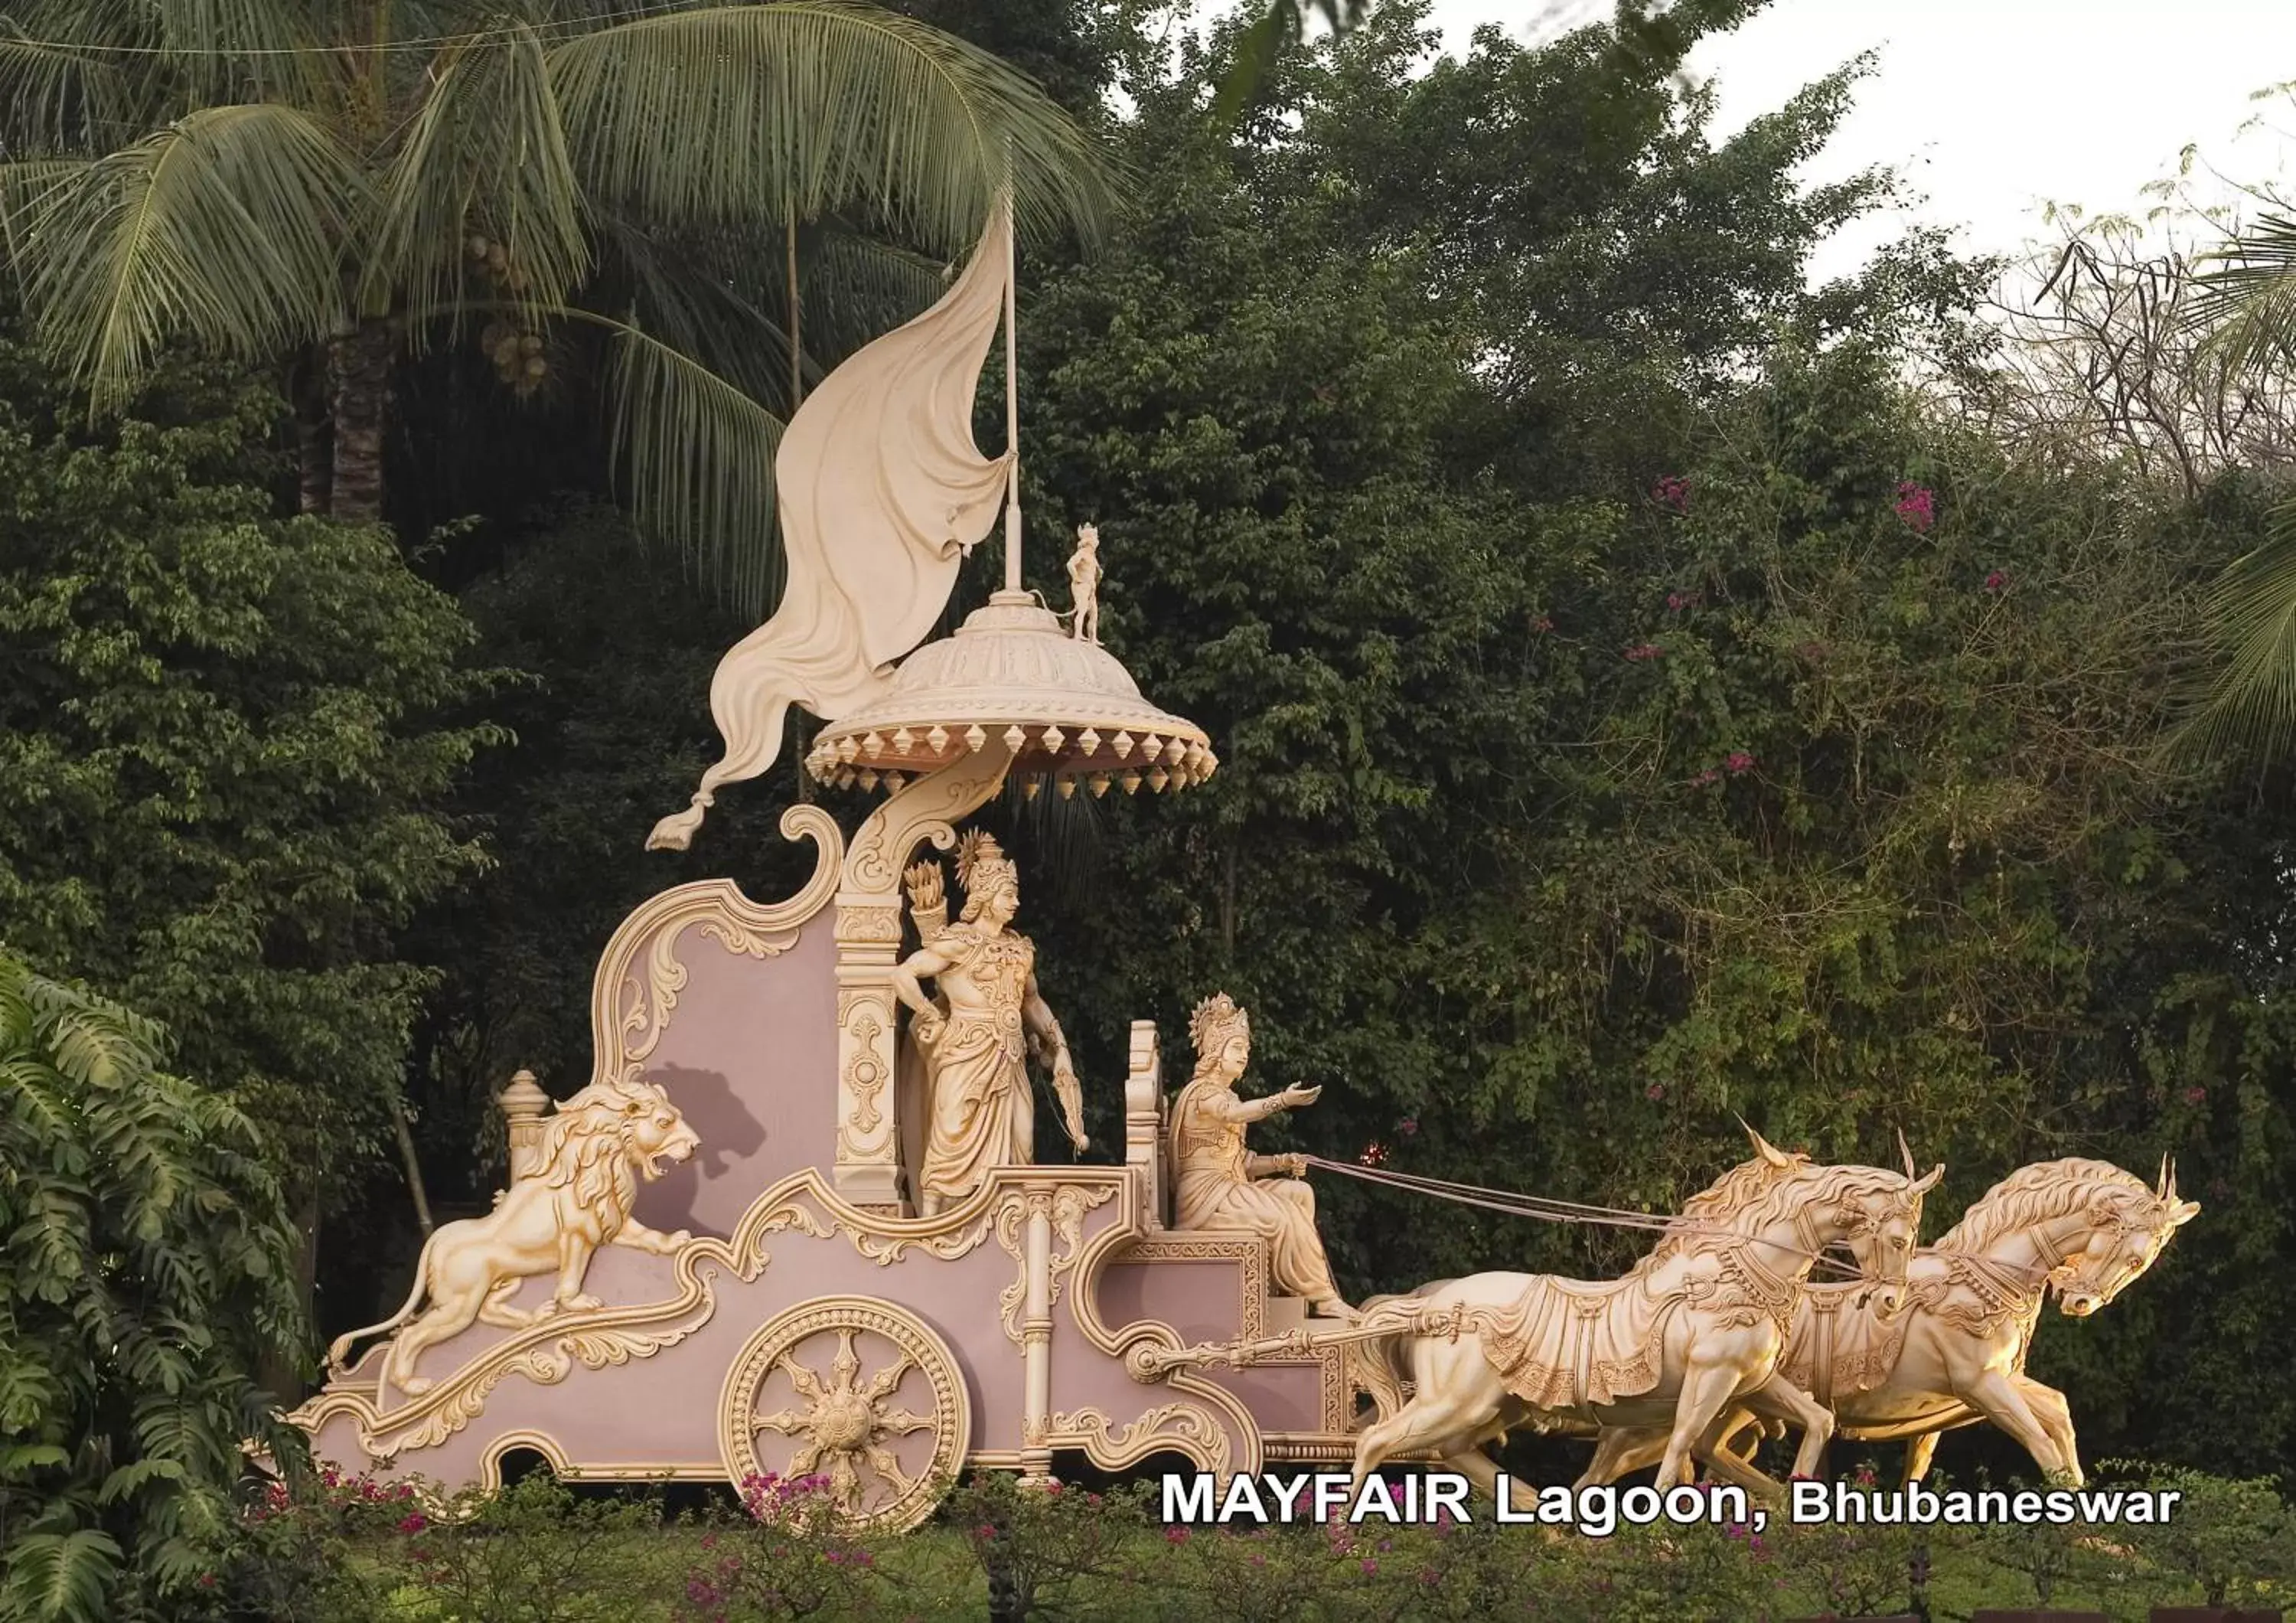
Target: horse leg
<point>1995,1397</point>
<point>1919,1451</point>
<point>1433,1415</point>
<point>2049,1407</point>
<point>1706,1387</point>
<point>1619,1450</point>
<point>1779,1397</point>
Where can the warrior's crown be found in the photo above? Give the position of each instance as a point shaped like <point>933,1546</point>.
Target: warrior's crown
<point>981,862</point>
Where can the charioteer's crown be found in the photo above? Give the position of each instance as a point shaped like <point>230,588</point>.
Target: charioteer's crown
<point>1064,705</point>
<point>1215,1020</point>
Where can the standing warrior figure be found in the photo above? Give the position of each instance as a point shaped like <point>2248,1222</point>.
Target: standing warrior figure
<point>1223,1185</point>
<point>1084,586</point>
<point>976,1036</point>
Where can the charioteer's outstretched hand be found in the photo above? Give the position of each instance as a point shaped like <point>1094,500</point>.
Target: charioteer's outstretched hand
<point>1295,1096</point>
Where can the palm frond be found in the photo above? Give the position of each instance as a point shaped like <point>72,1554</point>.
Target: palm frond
<point>486,158</point>
<point>2247,302</point>
<point>709,294</point>
<point>856,286</point>
<point>694,461</point>
<point>807,108</point>
<point>2251,705</point>
<point>55,97</point>
<point>224,227</point>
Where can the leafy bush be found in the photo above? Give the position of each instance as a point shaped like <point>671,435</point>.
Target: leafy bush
<point>785,1556</point>
<point>146,1267</point>
<point>2222,1535</point>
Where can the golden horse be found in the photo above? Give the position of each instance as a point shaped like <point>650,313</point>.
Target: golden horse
<point>1957,1358</point>
<point>1690,1336</point>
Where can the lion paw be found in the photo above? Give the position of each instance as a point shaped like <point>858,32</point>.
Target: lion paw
<point>414,1386</point>
<point>668,1243</point>
<point>582,1304</point>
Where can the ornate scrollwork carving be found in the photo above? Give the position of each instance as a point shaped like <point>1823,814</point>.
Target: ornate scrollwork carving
<point>855,1371</point>
<point>1066,1205</point>
<point>1182,1428</point>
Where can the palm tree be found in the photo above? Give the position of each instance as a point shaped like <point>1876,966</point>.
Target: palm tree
<point>2248,313</point>
<point>663,184</point>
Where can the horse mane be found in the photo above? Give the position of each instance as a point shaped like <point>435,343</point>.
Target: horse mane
<point>1793,1188</point>
<point>1717,1202</point>
<point>2033,1195</point>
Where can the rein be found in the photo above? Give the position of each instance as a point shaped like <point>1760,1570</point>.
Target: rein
<point>1545,1209</point>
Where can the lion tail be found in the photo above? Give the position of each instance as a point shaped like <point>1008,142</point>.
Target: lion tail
<point>339,1349</point>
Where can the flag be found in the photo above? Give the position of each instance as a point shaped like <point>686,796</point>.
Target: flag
<point>882,493</point>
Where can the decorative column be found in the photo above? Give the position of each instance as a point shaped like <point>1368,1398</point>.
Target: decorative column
<point>1143,1122</point>
<point>524,1105</point>
<point>868,1168</point>
<point>1036,1346</point>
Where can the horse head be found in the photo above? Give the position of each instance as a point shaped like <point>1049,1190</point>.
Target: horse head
<point>2131,1227</point>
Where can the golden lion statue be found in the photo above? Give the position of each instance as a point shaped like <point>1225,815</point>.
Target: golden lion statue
<point>595,1149</point>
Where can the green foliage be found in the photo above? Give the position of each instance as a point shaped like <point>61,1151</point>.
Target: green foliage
<point>2223,1536</point>
<point>224,740</point>
<point>146,1266</point>
<point>784,1555</point>
<point>530,1553</point>
<point>594,191</point>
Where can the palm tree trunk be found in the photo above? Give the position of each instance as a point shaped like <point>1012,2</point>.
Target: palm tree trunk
<point>313,445</point>
<point>359,390</point>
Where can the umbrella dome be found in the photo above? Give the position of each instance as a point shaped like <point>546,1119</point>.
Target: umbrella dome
<point>1064,705</point>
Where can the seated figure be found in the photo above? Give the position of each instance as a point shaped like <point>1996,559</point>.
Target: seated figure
<point>1222,1185</point>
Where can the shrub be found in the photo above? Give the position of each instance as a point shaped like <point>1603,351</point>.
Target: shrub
<point>783,1556</point>
<point>2221,1535</point>
<point>145,1268</point>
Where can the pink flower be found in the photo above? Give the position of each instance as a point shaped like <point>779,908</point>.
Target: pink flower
<point>1407,1126</point>
<point>1176,1536</point>
<point>1373,1155</point>
<point>1997,581</point>
<point>1645,650</point>
<point>1542,624</point>
<point>2194,1096</point>
<point>1672,491</point>
<point>1674,602</point>
<point>1709,776</point>
<point>415,1523</point>
<point>1738,761</point>
<point>1656,1089</point>
<point>1916,506</point>
<point>1369,1566</point>
<point>984,1531</point>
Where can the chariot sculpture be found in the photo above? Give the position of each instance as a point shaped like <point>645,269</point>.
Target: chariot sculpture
<point>798,1220</point>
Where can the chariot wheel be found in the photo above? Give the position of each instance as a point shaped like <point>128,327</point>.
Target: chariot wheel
<point>859,1391</point>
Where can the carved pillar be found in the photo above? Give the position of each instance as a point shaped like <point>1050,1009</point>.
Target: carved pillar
<point>524,1105</point>
<point>868,1168</point>
<point>1144,1124</point>
<point>1036,1346</point>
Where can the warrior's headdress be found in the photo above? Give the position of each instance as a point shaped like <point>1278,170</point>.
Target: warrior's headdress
<point>981,867</point>
<point>1215,1020</point>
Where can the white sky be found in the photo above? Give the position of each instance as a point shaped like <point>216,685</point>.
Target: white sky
<point>1990,107</point>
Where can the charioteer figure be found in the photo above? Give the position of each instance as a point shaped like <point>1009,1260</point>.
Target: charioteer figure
<point>976,1037</point>
<point>1220,1185</point>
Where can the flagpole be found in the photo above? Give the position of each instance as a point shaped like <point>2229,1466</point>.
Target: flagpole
<point>1011,406</point>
